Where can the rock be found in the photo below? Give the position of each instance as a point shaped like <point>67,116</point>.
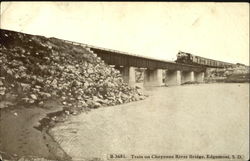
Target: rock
<point>31,101</point>
<point>54,83</point>
<point>33,96</point>
<point>79,97</point>
<point>67,112</point>
<point>96,99</point>
<point>41,103</point>
<point>39,87</point>
<point>82,104</point>
<point>120,100</point>
<point>44,94</point>
<point>97,104</point>
<point>93,104</point>
<point>136,97</point>
<point>86,84</point>
<point>9,71</point>
<point>2,91</point>
<point>25,86</point>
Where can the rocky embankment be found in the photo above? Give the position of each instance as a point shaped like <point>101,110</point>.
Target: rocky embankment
<point>35,69</point>
<point>236,74</point>
<point>43,81</point>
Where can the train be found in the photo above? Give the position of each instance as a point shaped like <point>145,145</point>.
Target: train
<point>187,58</point>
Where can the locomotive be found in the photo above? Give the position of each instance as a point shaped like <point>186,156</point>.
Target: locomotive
<point>187,58</point>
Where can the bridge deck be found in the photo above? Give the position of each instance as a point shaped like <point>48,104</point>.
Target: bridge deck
<point>119,58</point>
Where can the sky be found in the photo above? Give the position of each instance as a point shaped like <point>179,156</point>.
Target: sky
<point>159,30</point>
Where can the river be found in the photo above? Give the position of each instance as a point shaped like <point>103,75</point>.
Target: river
<point>192,119</point>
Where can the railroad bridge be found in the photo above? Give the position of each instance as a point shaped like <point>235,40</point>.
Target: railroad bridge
<point>154,69</point>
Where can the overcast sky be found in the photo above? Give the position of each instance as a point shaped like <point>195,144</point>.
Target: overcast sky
<point>156,29</point>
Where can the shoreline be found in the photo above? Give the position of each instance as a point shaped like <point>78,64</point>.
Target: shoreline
<point>22,139</point>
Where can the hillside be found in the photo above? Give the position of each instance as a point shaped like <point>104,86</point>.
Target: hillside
<point>35,69</point>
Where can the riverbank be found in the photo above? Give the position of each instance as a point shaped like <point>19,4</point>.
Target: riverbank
<point>25,132</point>
<point>22,140</point>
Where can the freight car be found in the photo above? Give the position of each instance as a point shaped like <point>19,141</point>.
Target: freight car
<point>187,58</point>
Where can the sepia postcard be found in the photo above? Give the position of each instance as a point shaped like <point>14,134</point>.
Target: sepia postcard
<point>124,81</point>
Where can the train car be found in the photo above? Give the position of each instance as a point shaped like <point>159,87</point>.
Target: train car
<point>187,58</point>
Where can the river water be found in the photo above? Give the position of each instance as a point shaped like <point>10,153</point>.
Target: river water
<point>192,119</point>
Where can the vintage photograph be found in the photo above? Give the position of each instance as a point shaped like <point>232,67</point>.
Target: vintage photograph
<point>124,81</point>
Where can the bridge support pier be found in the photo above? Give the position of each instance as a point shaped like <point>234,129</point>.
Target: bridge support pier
<point>153,77</point>
<point>128,75</point>
<point>187,77</point>
<point>199,77</point>
<point>173,77</point>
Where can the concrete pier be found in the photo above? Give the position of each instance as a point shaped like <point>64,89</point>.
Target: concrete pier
<point>187,77</point>
<point>128,75</point>
<point>199,77</point>
<point>173,77</point>
<point>153,77</point>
